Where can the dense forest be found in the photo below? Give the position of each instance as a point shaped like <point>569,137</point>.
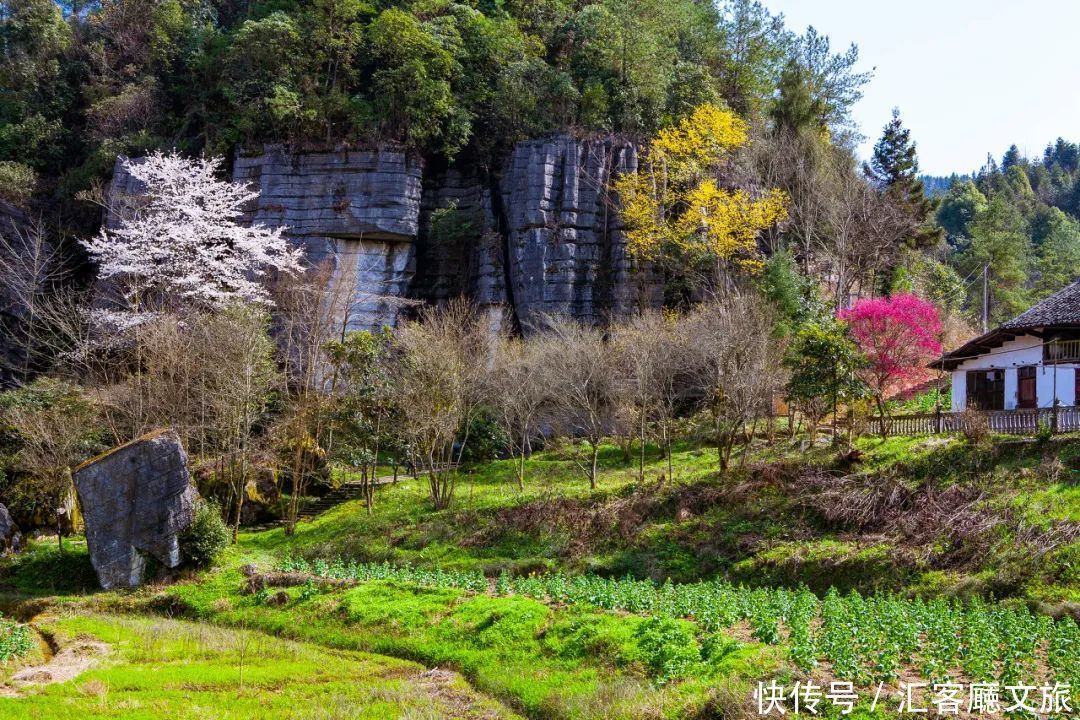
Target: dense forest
<point>1019,219</point>
<point>84,82</point>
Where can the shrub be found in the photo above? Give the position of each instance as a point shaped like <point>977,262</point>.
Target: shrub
<point>975,426</point>
<point>204,539</point>
<point>669,648</point>
<point>487,439</point>
<point>17,182</point>
<point>1045,433</point>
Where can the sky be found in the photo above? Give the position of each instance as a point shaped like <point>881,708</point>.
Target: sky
<point>970,77</point>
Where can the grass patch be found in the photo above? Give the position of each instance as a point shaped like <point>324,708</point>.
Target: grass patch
<point>168,668</point>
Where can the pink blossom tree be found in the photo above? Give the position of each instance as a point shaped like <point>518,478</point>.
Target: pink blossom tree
<point>183,241</point>
<point>899,335</point>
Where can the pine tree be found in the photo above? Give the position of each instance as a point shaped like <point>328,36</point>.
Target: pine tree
<point>795,107</point>
<point>1012,158</point>
<point>894,169</point>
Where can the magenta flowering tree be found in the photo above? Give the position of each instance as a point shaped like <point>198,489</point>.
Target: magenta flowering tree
<point>899,335</point>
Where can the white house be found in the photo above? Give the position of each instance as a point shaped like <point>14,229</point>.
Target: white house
<point>1027,362</point>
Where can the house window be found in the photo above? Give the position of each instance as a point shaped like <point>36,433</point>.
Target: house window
<point>986,389</point>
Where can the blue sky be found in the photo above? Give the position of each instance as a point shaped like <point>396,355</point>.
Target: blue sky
<point>969,76</point>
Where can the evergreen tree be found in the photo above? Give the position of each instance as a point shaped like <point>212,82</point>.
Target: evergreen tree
<point>795,107</point>
<point>999,238</point>
<point>959,207</point>
<point>834,83</point>
<point>894,168</point>
<point>1058,260</point>
<point>1012,158</point>
<point>754,44</point>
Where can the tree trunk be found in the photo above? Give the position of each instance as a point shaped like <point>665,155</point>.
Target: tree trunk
<point>641,450</point>
<point>366,485</point>
<point>667,451</point>
<point>592,467</point>
<point>885,419</point>
<point>521,471</point>
<point>240,493</point>
<point>749,442</point>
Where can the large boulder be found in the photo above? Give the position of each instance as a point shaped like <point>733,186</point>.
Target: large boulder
<point>135,499</point>
<point>10,537</point>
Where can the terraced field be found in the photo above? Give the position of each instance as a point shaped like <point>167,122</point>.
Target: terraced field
<point>149,667</point>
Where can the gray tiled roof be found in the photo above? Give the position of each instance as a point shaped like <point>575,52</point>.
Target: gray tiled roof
<point>1061,308</point>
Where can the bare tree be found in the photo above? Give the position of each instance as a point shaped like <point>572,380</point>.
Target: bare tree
<point>865,231</point>
<point>520,391</point>
<point>586,386</point>
<point>435,367</point>
<point>651,353</point>
<point>735,359</point>
<point>238,380</point>
<point>798,162</point>
<point>31,272</point>
<point>310,314</point>
<point>55,423</point>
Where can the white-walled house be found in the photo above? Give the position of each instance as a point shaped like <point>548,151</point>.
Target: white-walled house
<point>1027,362</point>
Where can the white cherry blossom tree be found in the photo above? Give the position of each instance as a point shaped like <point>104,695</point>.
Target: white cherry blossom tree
<point>182,241</point>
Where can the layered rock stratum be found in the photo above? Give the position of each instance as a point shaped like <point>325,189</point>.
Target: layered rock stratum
<point>537,236</point>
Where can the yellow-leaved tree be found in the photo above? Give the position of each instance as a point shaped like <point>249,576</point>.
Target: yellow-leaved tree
<point>675,206</point>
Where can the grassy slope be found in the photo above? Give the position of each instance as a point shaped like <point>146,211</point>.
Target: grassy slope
<point>545,661</point>
<point>748,527</point>
<point>550,661</point>
<point>159,668</point>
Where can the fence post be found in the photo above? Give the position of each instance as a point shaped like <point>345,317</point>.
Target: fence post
<point>937,417</point>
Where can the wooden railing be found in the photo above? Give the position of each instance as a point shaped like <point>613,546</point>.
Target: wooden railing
<point>1059,351</point>
<point>1007,422</point>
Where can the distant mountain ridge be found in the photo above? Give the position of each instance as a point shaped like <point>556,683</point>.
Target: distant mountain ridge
<point>936,185</point>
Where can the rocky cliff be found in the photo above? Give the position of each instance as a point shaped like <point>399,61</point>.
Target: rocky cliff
<point>565,251</point>
<point>358,212</point>
<point>538,236</point>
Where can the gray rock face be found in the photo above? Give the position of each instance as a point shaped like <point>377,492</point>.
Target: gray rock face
<point>135,499</point>
<point>124,194</point>
<point>10,538</point>
<point>459,251</point>
<point>357,211</point>
<point>374,194</point>
<point>567,254</point>
<point>541,237</point>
